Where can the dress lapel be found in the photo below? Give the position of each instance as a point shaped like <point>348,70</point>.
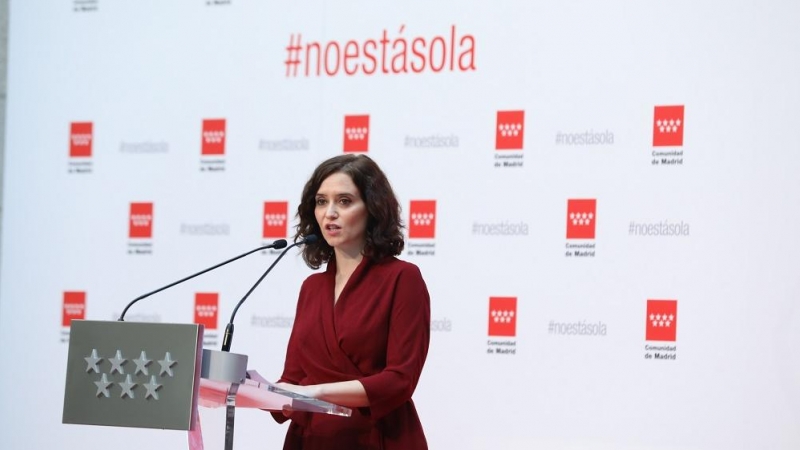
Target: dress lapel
<point>332,313</point>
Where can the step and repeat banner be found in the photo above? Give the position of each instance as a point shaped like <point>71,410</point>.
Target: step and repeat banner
<point>602,198</point>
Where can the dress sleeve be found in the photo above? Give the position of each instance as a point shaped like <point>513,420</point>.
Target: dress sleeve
<point>407,346</point>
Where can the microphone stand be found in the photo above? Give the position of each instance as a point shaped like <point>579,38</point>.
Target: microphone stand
<point>228,336</point>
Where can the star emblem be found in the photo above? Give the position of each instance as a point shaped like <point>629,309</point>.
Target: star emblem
<point>141,364</point>
<point>152,387</point>
<point>102,386</point>
<point>127,387</point>
<point>116,363</point>
<point>92,361</point>
<point>166,364</point>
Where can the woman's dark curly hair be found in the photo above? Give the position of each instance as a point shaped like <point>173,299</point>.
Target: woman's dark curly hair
<point>384,236</point>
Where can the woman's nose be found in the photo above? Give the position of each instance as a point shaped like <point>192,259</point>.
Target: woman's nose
<point>331,211</point>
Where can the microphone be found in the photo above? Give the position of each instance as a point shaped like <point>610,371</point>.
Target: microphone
<point>228,337</point>
<point>279,244</point>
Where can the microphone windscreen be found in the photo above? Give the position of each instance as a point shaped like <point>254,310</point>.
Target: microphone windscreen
<point>310,239</point>
<point>279,244</point>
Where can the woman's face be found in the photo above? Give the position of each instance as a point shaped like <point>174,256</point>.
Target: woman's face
<point>341,213</point>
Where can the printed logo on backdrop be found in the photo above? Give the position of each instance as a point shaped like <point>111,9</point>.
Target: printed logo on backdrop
<point>140,228</point>
<point>433,140</point>
<point>661,329</point>
<point>144,147</point>
<point>81,138</point>
<point>581,219</point>
<point>356,134</point>
<point>73,307</point>
<point>212,146</point>
<point>275,321</point>
<point>284,144</point>
<point>218,2</point>
<point>275,223</point>
<point>500,228</point>
<point>582,138</point>
<point>509,135</point>
<point>85,6</point>
<point>421,228</point>
<point>386,54</point>
<point>205,229</point>
<point>502,326</point>
<point>668,132</point>
<point>660,228</point>
<point>206,313</point>
<point>442,325</point>
<point>577,328</point>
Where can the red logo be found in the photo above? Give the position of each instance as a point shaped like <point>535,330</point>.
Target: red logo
<point>502,316</point>
<point>510,130</point>
<point>275,219</point>
<point>422,219</point>
<point>662,320</point>
<point>74,307</point>
<point>205,309</point>
<point>581,215</point>
<point>213,137</point>
<point>668,126</point>
<point>141,221</point>
<point>356,133</point>
<point>80,139</point>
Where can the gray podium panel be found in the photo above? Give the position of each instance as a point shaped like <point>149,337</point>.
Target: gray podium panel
<point>132,374</point>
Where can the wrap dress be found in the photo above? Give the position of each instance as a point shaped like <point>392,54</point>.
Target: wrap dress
<point>377,332</point>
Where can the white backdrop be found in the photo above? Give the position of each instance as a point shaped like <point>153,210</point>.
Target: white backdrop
<point>580,363</point>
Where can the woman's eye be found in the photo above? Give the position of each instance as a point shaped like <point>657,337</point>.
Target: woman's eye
<point>345,201</point>
<point>320,201</point>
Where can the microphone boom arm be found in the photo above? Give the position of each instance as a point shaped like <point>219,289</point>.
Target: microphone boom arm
<point>280,243</point>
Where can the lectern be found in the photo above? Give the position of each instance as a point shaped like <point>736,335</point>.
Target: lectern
<point>152,375</point>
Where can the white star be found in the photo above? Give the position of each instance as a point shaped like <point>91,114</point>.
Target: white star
<point>116,363</point>
<point>92,361</point>
<point>152,387</point>
<point>166,364</point>
<point>127,387</point>
<point>141,364</point>
<point>102,386</point>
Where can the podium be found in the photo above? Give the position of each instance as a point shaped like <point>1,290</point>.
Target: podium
<point>152,375</point>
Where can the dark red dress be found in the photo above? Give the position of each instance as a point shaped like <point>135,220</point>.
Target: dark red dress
<point>378,333</point>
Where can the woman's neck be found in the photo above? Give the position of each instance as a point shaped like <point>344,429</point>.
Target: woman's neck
<point>346,263</point>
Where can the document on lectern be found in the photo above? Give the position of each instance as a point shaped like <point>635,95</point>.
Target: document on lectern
<point>257,392</point>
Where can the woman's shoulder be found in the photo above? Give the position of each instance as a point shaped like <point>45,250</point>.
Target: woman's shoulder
<point>392,264</point>
<point>315,279</point>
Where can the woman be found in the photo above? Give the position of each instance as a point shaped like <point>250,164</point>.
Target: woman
<point>362,327</point>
